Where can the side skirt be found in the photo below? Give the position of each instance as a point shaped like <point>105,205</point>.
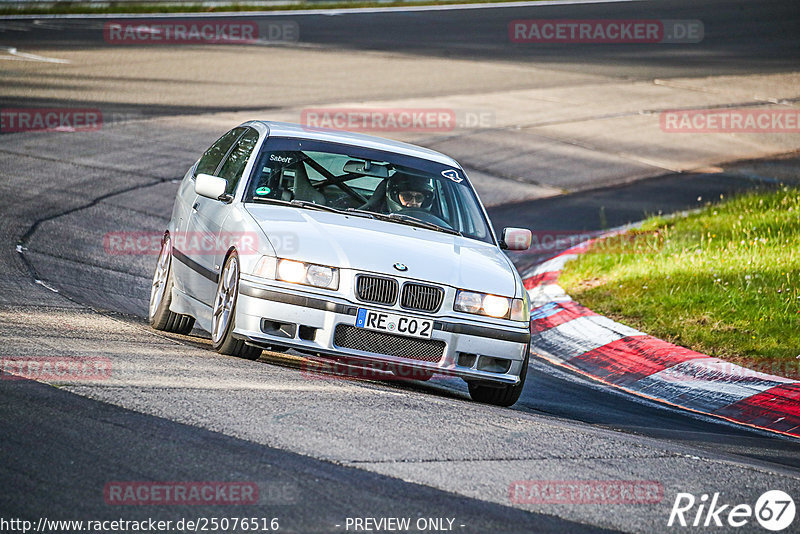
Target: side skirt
<point>184,304</point>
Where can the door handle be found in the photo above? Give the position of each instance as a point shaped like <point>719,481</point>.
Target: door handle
<point>196,205</point>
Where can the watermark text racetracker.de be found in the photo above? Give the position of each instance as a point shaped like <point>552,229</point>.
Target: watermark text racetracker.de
<point>352,370</point>
<point>588,241</point>
<point>605,31</point>
<point>180,493</point>
<point>605,492</point>
<point>15,120</point>
<point>192,243</point>
<point>200,31</point>
<point>731,120</point>
<point>54,368</point>
<point>395,119</point>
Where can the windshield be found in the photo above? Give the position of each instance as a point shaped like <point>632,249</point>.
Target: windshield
<point>344,177</point>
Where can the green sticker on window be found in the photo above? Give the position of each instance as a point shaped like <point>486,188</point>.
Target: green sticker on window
<point>263,191</point>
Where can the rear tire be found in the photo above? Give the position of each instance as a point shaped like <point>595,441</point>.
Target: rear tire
<point>223,313</point>
<point>504,395</point>
<point>160,316</point>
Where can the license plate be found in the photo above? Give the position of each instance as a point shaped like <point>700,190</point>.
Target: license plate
<point>394,324</point>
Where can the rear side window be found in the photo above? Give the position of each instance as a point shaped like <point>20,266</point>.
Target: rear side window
<point>237,160</point>
<point>212,157</point>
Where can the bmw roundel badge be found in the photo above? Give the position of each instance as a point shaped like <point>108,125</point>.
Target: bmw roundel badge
<point>401,267</point>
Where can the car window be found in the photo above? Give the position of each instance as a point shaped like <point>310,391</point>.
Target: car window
<point>210,160</point>
<point>237,160</point>
<point>386,183</point>
<point>334,163</point>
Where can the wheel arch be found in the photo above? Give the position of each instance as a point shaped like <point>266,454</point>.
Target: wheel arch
<point>228,254</point>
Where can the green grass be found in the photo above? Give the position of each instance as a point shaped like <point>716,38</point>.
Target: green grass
<point>70,8</point>
<point>724,281</point>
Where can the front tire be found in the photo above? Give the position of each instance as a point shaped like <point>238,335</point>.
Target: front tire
<point>160,316</point>
<point>500,396</point>
<point>223,314</point>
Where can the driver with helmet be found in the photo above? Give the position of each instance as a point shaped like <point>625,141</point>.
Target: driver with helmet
<point>408,192</point>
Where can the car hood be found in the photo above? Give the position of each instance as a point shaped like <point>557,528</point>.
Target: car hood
<point>352,242</point>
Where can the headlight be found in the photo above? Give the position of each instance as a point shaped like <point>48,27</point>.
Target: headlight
<point>320,276</point>
<point>469,302</point>
<point>298,272</point>
<point>291,271</point>
<point>496,306</point>
<point>491,305</point>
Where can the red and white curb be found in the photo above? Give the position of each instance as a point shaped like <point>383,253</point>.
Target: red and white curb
<point>572,336</point>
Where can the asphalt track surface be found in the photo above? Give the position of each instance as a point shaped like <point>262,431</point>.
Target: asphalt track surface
<point>318,463</point>
<point>739,38</point>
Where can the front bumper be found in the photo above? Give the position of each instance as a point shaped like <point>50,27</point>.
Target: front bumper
<point>265,315</point>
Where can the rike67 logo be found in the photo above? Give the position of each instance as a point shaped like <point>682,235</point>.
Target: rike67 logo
<point>774,510</point>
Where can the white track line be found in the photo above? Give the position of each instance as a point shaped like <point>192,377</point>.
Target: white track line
<point>16,55</point>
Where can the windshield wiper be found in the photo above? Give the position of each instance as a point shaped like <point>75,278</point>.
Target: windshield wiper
<point>365,213</point>
<point>322,207</point>
<point>413,221</point>
<point>271,201</point>
<point>297,203</point>
<point>312,206</point>
<point>404,219</point>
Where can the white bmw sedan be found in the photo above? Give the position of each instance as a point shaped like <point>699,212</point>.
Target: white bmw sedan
<point>345,246</point>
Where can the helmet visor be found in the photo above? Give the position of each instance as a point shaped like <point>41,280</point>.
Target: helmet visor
<point>413,199</point>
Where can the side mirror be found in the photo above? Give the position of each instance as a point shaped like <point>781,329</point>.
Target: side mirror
<point>209,186</point>
<point>516,239</point>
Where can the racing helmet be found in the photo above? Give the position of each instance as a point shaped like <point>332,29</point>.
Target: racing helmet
<point>404,191</point>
